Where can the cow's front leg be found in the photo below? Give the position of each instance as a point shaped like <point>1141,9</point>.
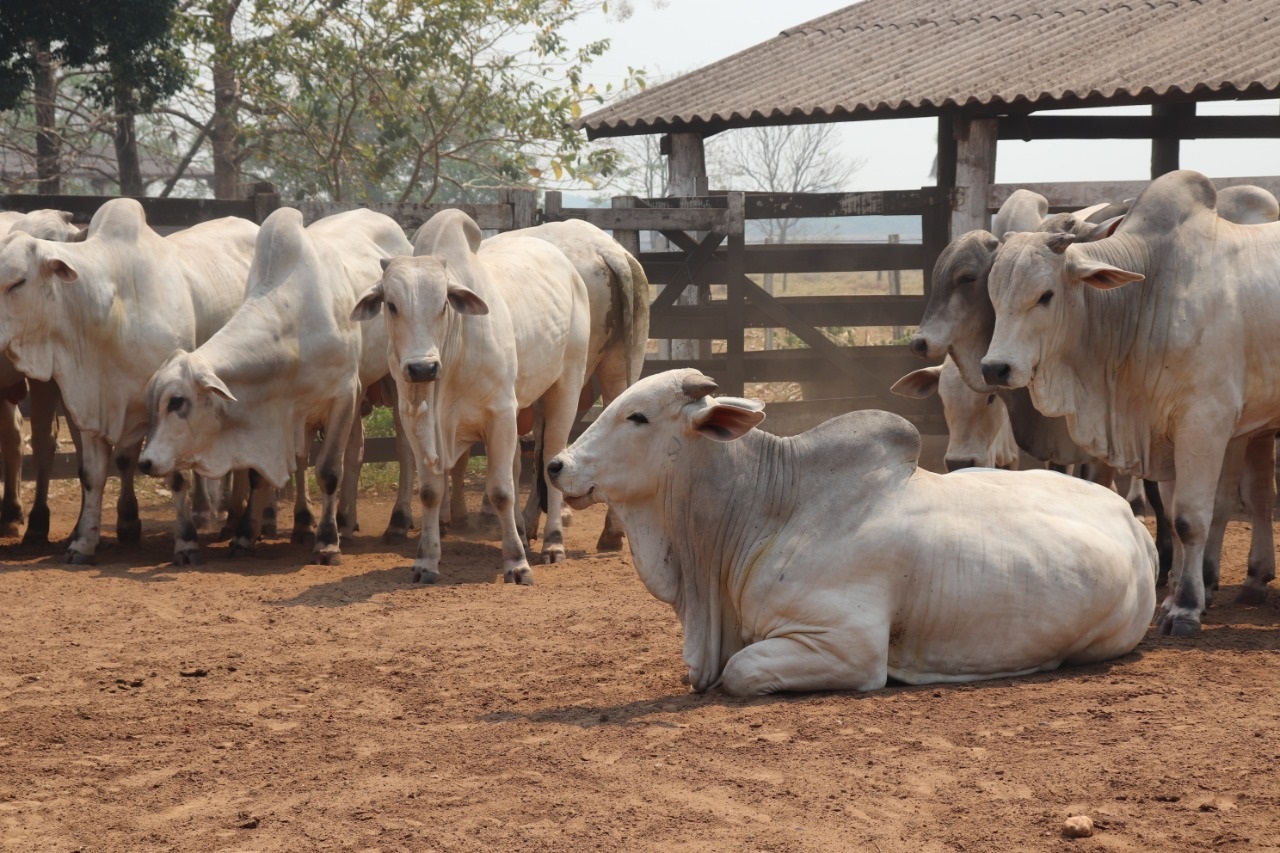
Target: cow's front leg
<point>44,445</point>
<point>304,520</point>
<point>204,496</point>
<point>95,460</point>
<point>11,452</point>
<point>1258,486</point>
<point>786,663</point>
<point>1198,457</point>
<point>501,444</point>
<point>426,565</point>
<point>249,528</point>
<point>186,547</point>
<point>128,524</point>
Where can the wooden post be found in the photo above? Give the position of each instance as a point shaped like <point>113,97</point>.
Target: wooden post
<point>735,339</point>
<point>895,283</point>
<point>975,172</point>
<point>686,176</point>
<point>1165,140</point>
<point>524,206</point>
<point>265,200</point>
<point>552,204</point>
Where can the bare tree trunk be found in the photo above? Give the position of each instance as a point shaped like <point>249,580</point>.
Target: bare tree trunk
<point>126,143</point>
<point>226,165</point>
<point>48,142</point>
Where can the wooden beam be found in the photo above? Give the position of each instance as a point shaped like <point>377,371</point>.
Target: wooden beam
<point>1075,195</point>
<point>1028,128</point>
<point>411,215</point>
<point>159,211</point>
<point>975,173</point>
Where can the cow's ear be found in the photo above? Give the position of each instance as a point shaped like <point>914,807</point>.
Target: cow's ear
<point>1098,274</point>
<point>61,270</point>
<point>728,418</point>
<point>209,382</point>
<point>466,301</point>
<point>918,384</point>
<point>370,304</point>
<point>385,262</point>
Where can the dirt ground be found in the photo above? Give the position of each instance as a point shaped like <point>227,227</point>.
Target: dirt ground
<point>262,704</point>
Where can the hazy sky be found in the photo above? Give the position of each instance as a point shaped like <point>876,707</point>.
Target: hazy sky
<point>676,36</point>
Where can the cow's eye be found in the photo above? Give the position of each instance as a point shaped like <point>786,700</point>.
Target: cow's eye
<point>392,310</point>
<point>967,278</point>
<point>637,418</point>
<point>991,398</point>
<point>176,403</point>
<point>17,284</point>
<point>1045,298</point>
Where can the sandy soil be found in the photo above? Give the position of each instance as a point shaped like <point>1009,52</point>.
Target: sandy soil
<point>263,704</point>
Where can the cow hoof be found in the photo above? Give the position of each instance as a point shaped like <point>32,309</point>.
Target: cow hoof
<point>1252,596</point>
<point>566,517</point>
<point>522,576</point>
<point>76,558</point>
<point>425,575</point>
<point>551,556</point>
<point>202,520</point>
<point>11,528</point>
<point>609,542</point>
<point>326,558</point>
<point>34,537</point>
<point>225,533</point>
<point>1179,627</point>
<point>269,530</point>
<point>194,557</point>
<point>129,532</point>
<point>239,549</point>
<point>395,537</point>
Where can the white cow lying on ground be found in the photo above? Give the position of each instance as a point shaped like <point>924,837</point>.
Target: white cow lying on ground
<point>99,316</point>
<point>289,361</point>
<point>478,332</point>
<point>1157,345</point>
<point>830,561</point>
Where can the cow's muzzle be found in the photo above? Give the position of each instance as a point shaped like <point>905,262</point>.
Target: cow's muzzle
<point>422,370</point>
<point>996,373</point>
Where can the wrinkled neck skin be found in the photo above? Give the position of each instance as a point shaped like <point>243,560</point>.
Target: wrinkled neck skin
<point>434,429</point>
<point>692,553</point>
<point>1092,381</point>
<point>1047,439</point>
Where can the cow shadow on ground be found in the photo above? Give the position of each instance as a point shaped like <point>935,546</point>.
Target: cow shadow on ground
<point>642,711</point>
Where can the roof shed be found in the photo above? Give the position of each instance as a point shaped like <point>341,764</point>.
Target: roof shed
<point>983,68</point>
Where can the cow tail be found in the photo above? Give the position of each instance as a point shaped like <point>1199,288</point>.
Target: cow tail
<point>635,314</point>
<point>540,481</point>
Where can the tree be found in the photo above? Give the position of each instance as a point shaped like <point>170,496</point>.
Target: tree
<point>127,51</point>
<point>387,99</point>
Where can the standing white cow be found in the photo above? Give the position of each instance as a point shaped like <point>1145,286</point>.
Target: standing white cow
<point>99,316</point>
<point>479,331</point>
<point>831,561</point>
<point>1157,346</point>
<point>54,225</point>
<point>618,294</point>
<point>291,360</point>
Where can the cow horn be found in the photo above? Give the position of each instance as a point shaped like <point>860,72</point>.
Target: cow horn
<point>1058,241</point>
<point>698,386</point>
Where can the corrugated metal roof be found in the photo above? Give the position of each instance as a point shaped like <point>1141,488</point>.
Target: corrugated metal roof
<point>896,58</point>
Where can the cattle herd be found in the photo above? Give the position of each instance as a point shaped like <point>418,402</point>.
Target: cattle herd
<point>1131,339</point>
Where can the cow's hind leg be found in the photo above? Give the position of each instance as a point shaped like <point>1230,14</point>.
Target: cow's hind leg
<point>560,410</point>
<point>11,453</point>
<point>352,459</point>
<point>128,524</point>
<point>501,443</point>
<point>249,528</point>
<point>342,430</point>
<point>1258,486</point>
<point>186,547</point>
<point>45,398</point>
<point>402,513</point>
